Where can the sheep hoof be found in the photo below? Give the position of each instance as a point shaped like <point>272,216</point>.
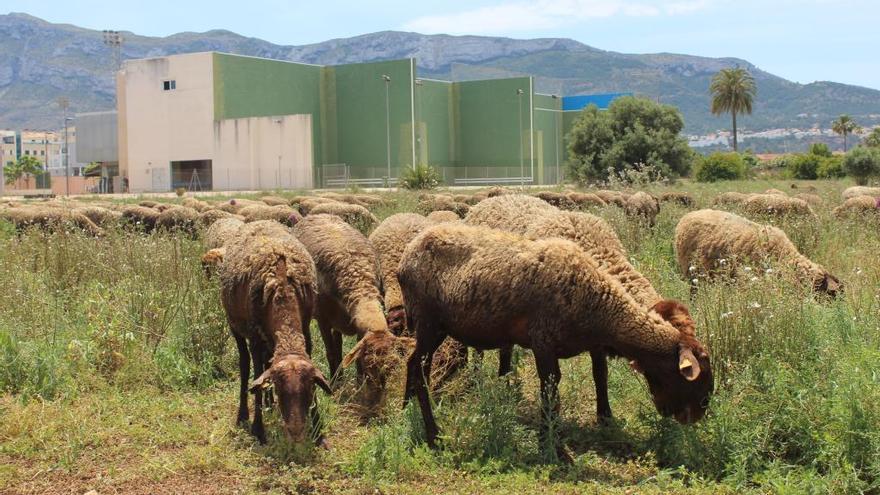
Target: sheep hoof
<point>258,431</point>
<point>322,443</point>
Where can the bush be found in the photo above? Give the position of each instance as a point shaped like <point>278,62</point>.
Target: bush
<point>862,163</point>
<point>720,166</point>
<point>420,177</point>
<point>820,149</point>
<point>750,160</point>
<point>831,168</point>
<point>804,166</point>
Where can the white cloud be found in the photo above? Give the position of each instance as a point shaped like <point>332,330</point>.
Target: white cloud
<point>545,14</point>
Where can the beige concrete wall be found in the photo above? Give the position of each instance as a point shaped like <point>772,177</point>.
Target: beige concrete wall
<point>164,126</point>
<point>263,153</point>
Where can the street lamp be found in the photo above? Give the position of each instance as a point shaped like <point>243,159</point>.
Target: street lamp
<point>418,83</point>
<point>66,158</point>
<point>387,79</point>
<point>522,172</point>
<point>556,140</point>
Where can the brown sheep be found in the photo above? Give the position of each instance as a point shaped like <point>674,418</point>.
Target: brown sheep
<point>513,212</point>
<point>775,191</point>
<point>705,237</point>
<point>179,218</point>
<point>141,216</point>
<point>858,205</point>
<point>275,200</point>
<point>235,205</point>
<point>643,205</point>
<point>196,204</point>
<point>208,217</point>
<point>583,200</point>
<point>681,198</point>
<point>774,204</point>
<point>480,286</point>
<point>350,302</point>
<point>306,204</point>
<point>281,213</point>
<point>50,219</point>
<point>438,202</point>
<point>268,288</point>
<point>730,198</point>
<point>814,200</point>
<point>355,215</point>
<point>443,216</point>
<point>556,199</point>
<point>99,215</point>
<point>855,191</point>
<point>616,198</point>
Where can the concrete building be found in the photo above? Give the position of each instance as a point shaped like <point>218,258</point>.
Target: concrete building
<point>214,121</point>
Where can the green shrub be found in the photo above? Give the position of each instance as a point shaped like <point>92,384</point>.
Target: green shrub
<point>420,177</point>
<point>831,168</point>
<point>820,149</point>
<point>750,160</point>
<point>862,163</point>
<point>720,166</point>
<point>804,166</point>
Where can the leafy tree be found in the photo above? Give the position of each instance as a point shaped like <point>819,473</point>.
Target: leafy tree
<point>820,149</point>
<point>862,162</point>
<point>872,140</point>
<point>844,125</point>
<point>831,168</point>
<point>720,166</point>
<point>804,166</point>
<point>733,91</point>
<point>26,166</point>
<point>632,135</point>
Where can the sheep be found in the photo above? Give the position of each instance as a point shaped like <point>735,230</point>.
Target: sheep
<point>308,203</point>
<point>280,213</point>
<point>275,200</point>
<point>442,216</point>
<point>235,205</point>
<point>556,199</point>
<point>267,287</point>
<point>682,198</point>
<point>350,301</point>
<point>616,198</point>
<point>492,289</point>
<point>208,217</point>
<point>774,204</point>
<point>50,219</point>
<point>599,241</point>
<point>497,191</point>
<point>858,205</point>
<point>196,204</point>
<point>814,200</point>
<point>179,218</point>
<point>705,237</point>
<point>775,191</point>
<point>147,203</point>
<point>355,215</point>
<point>99,215</point>
<point>582,200</point>
<point>221,231</point>
<point>855,191</point>
<point>642,205</point>
<point>730,198</point>
<point>224,230</point>
<point>141,216</point>
<point>437,202</point>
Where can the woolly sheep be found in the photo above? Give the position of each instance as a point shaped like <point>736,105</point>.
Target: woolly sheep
<point>682,198</point>
<point>438,202</point>
<point>280,213</point>
<point>774,204</point>
<point>350,301</point>
<point>267,287</point>
<point>813,200</point>
<point>443,216</point>
<point>642,205</point>
<point>513,212</point>
<point>221,231</point>
<point>99,215</point>
<point>616,198</point>
<point>730,198</point>
<point>480,286</point>
<point>141,216</point>
<point>196,204</point>
<point>179,218</point>
<point>208,217</point>
<point>775,191</point>
<point>49,219</point>
<point>704,237</point>
<point>274,200</point>
<point>355,215</point>
<point>858,205</point>
<point>235,205</point>
<point>855,191</point>
<point>556,199</point>
<point>307,204</point>
<point>582,200</point>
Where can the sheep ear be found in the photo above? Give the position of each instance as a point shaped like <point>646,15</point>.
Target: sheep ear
<point>322,382</point>
<point>354,354</point>
<point>688,365</point>
<point>262,382</point>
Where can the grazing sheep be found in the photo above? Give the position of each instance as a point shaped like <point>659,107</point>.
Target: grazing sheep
<point>49,219</point>
<point>512,212</point>
<point>267,286</point>
<point>730,198</point>
<point>855,191</point>
<point>858,205</point>
<point>208,217</point>
<point>556,199</point>
<point>682,198</point>
<point>705,237</point>
<point>775,191</point>
<point>235,205</point>
<point>280,213</point>
<point>275,200</point>
<point>774,204</point>
<point>196,204</point>
<point>141,216</point>
<point>179,218</point>
<point>616,198</point>
<point>438,202</point>
<point>99,215</point>
<point>355,215</point>
<point>497,191</point>
<point>148,203</point>
<point>492,289</point>
<point>814,200</point>
<point>308,203</point>
<point>350,301</point>
<point>582,200</point>
<point>643,205</point>
<point>221,231</point>
<point>443,216</point>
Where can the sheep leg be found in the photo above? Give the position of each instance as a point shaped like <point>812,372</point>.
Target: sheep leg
<point>600,379</point>
<point>418,372</point>
<point>244,369</point>
<point>505,356</point>
<point>267,358</point>
<point>257,428</point>
<point>549,374</point>
<point>331,346</point>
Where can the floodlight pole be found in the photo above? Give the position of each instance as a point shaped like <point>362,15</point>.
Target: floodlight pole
<point>556,141</point>
<point>387,79</point>
<point>66,158</point>
<point>522,172</point>
<point>418,83</point>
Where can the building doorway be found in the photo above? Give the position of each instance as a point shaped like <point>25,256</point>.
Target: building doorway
<point>192,175</point>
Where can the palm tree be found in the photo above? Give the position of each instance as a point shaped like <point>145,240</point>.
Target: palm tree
<point>844,125</point>
<point>873,139</point>
<point>733,90</point>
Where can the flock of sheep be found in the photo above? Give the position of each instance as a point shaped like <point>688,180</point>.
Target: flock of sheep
<point>488,271</point>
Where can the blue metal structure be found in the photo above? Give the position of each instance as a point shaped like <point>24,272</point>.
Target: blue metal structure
<point>578,102</point>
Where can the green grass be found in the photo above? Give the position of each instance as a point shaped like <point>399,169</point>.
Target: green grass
<point>117,374</point>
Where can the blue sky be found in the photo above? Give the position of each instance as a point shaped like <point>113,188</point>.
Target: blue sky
<point>801,40</point>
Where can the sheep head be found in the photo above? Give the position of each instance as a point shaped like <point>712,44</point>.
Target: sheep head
<point>211,260</point>
<point>378,355</point>
<point>828,284</point>
<point>396,320</point>
<point>294,378</point>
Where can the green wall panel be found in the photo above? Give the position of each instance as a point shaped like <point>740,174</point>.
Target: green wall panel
<point>435,135</point>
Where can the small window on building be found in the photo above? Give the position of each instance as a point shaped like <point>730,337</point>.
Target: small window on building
<point>27,152</point>
<point>42,152</point>
<point>169,85</point>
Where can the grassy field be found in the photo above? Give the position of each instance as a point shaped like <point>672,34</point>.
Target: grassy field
<point>117,374</point>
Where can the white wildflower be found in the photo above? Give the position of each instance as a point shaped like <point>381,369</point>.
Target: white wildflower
<point>692,268</point>
<point>755,305</point>
<point>747,269</point>
<point>726,315</point>
<point>753,279</point>
<point>693,280</point>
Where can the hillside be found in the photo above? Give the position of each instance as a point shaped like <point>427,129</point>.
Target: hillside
<point>41,61</point>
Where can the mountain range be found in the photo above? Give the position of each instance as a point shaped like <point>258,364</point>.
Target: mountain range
<point>41,62</point>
